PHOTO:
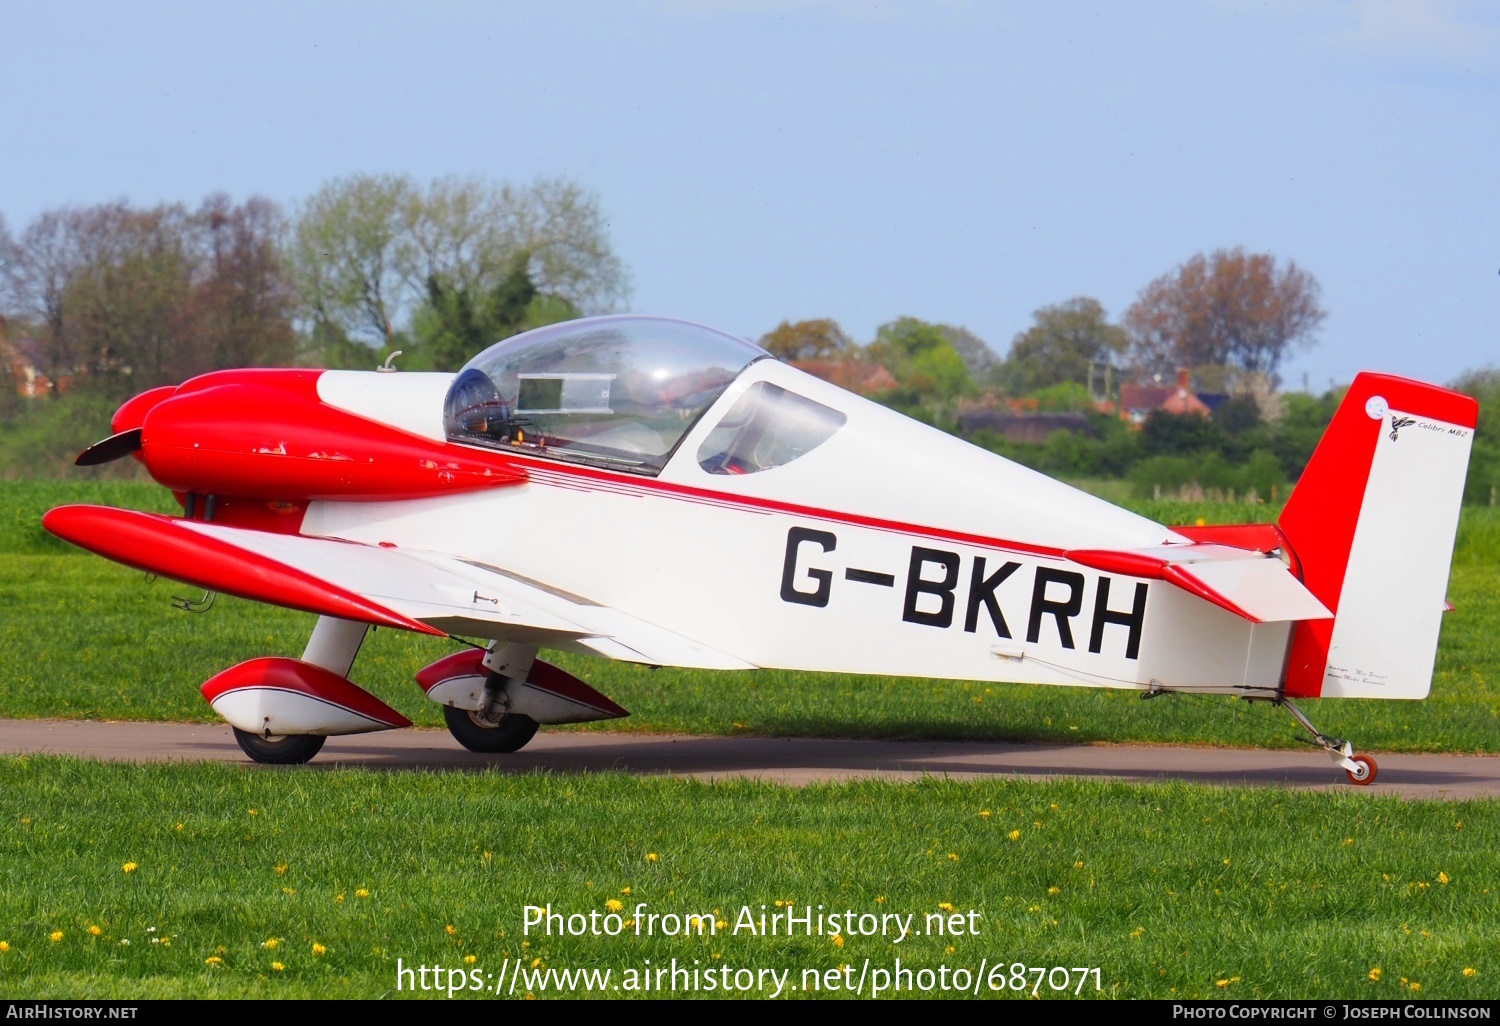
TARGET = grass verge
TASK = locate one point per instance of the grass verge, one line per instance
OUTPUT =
(1169, 889)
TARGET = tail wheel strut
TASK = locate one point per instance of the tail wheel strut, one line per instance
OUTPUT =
(1360, 768)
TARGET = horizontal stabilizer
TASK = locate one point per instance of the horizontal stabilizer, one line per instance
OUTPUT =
(1259, 588)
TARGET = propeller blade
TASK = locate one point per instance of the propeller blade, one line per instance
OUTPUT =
(112, 448)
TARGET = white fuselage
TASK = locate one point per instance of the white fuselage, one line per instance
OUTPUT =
(892, 548)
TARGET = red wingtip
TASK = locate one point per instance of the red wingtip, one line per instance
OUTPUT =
(156, 544)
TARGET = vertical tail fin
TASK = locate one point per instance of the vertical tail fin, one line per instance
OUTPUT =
(1372, 522)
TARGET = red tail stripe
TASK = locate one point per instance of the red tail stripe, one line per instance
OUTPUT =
(1323, 511)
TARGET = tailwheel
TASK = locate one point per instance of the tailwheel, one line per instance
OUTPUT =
(478, 733)
(286, 750)
(1364, 771)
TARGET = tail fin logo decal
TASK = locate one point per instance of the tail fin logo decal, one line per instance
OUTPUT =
(1397, 423)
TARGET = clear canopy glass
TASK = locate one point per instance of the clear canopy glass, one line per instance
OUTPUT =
(612, 391)
(767, 427)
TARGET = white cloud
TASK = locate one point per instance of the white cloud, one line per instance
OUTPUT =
(1435, 27)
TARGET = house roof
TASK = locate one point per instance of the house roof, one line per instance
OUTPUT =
(1171, 398)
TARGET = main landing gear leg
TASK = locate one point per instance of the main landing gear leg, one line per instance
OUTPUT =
(1360, 768)
(495, 728)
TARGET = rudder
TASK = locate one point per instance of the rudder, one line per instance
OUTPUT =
(1372, 521)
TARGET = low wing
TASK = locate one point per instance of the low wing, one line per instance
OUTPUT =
(1260, 588)
(390, 587)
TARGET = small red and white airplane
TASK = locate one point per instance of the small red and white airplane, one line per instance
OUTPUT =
(662, 493)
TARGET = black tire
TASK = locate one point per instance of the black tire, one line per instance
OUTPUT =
(291, 750)
(509, 735)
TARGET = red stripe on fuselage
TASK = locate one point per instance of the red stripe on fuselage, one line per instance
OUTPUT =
(539, 470)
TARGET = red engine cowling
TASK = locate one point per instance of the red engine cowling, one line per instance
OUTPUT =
(252, 438)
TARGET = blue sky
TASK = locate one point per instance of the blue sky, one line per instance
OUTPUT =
(770, 159)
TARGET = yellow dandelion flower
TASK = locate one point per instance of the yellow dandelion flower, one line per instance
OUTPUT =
(1015, 835)
(624, 890)
(614, 905)
(270, 943)
(276, 967)
(289, 890)
(1375, 974)
(1415, 985)
(1054, 890)
(650, 856)
(213, 960)
(535, 962)
(1470, 971)
(1226, 862)
(1137, 931)
(318, 949)
(470, 960)
(94, 931)
(950, 949)
(128, 867)
(952, 857)
(1054, 806)
(984, 813)
(1221, 983)
(177, 827)
(280, 868)
(1078, 864)
(838, 940)
(946, 906)
(361, 893)
(1442, 878)
(252, 812)
(4, 947)
(880, 900)
(338, 897)
(719, 924)
(449, 930)
(55, 936)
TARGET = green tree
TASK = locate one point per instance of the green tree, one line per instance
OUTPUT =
(979, 359)
(455, 322)
(818, 339)
(352, 254)
(374, 255)
(1061, 345)
(927, 369)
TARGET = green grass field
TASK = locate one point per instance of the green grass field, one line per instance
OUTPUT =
(1168, 889)
(82, 637)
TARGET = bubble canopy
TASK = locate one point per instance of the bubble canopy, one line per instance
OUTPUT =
(610, 391)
